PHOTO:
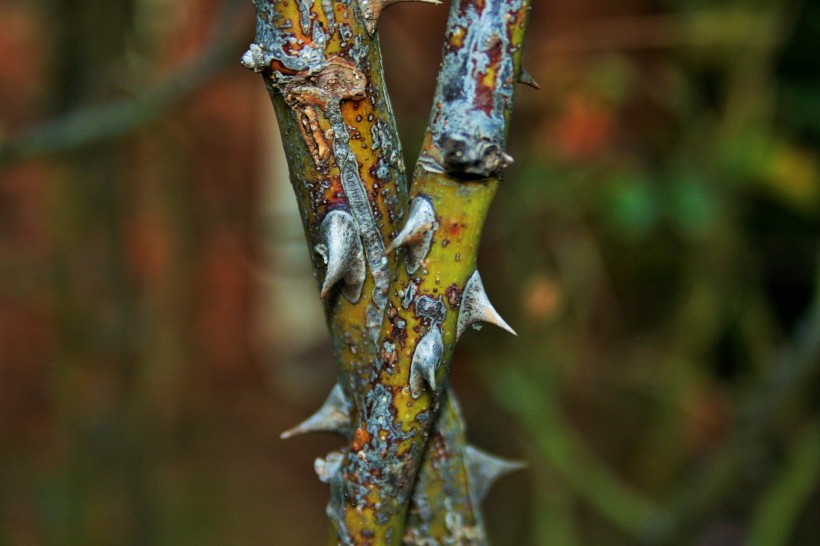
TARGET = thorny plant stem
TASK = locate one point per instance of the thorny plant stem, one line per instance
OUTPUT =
(320, 190)
(438, 292)
(323, 73)
(322, 68)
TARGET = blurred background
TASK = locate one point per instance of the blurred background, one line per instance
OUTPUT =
(655, 244)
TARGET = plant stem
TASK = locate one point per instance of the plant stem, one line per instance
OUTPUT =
(344, 155)
(456, 177)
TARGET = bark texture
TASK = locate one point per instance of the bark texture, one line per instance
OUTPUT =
(396, 300)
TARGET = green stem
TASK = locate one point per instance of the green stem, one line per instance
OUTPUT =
(781, 504)
(456, 179)
(344, 157)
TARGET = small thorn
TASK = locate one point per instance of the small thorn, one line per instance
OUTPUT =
(328, 467)
(484, 469)
(333, 416)
(417, 233)
(506, 159)
(341, 249)
(426, 360)
(476, 308)
(526, 78)
(372, 9)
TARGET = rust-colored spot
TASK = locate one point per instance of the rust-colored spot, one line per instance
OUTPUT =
(312, 134)
(486, 90)
(360, 438)
(389, 357)
(453, 295)
(277, 65)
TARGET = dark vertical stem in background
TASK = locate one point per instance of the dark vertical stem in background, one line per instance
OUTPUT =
(94, 297)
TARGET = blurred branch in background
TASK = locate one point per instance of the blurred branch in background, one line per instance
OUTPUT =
(92, 124)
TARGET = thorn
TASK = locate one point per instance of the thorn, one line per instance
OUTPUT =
(333, 416)
(505, 159)
(341, 249)
(526, 78)
(476, 308)
(372, 9)
(426, 360)
(326, 468)
(484, 469)
(417, 233)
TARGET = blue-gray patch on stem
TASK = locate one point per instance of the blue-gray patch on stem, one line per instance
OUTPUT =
(272, 43)
(377, 461)
(359, 205)
(468, 124)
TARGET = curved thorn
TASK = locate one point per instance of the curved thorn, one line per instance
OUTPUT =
(506, 159)
(526, 78)
(484, 469)
(333, 416)
(341, 249)
(426, 360)
(372, 9)
(327, 467)
(417, 233)
(476, 308)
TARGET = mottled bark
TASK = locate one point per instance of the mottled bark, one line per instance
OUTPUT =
(393, 328)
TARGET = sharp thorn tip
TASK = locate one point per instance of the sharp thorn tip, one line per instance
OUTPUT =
(333, 416)
(484, 469)
(527, 79)
(476, 308)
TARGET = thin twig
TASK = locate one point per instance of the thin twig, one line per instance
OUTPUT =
(99, 123)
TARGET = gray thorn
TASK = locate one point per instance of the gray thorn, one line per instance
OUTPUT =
(372, 9)
(484, 469)
(328, 467)
(476, 308)
(426, 360)
(333, 416)
(341, 249)
(417, 233)
(526, 78)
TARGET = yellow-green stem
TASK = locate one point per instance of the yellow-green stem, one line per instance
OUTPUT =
(456, 177)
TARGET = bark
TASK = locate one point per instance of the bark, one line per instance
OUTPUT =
(394, 325)
(438, 291)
